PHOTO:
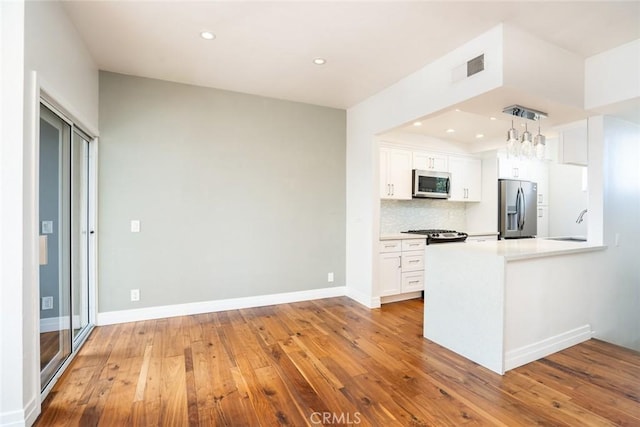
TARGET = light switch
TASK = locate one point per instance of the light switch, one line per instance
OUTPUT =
(47, 227)
(135, 226)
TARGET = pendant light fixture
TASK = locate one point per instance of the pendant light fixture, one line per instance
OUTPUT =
(513, 146)
(526, 147)
(539, 144)
(526, 144)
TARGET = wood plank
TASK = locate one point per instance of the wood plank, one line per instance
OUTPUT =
(278, 365)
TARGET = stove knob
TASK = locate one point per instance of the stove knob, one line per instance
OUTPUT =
(436, 235)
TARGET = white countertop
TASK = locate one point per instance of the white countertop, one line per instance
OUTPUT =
(515, 249)
(404, 236)
(401, 236)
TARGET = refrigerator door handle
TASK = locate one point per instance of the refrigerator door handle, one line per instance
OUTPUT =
(524, 209)
(519, 209)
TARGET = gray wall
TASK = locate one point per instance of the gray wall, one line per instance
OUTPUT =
(237, 195)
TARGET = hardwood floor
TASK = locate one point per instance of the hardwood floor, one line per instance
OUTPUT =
(328, 362)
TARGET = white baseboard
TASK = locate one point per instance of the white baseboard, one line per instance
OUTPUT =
(400, 297)
(523, 355)
(160, 312)
(364, 299)
(32, 411)
(23, 417)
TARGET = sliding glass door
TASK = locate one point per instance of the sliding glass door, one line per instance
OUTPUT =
(79, 234)
(64, 240)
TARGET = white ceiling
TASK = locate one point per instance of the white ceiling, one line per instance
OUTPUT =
(266, 48)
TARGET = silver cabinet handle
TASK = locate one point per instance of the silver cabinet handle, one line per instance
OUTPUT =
(414, 281)
(388, 189)
(393, 189)
(413, 260)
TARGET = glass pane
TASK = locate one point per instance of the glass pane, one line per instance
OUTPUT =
(79, 233)
(54, 221)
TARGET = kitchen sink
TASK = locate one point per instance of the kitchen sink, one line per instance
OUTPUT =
(568, 239)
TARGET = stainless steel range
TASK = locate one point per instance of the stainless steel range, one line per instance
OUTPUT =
(441, 236)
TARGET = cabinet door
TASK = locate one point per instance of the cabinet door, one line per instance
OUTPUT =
(573, 147)
(474, 180)
(511, 168)
(440, 163)
(543, 221)
(430, 161)
(385, 187)
(539, 173)
(399, 175)
(390, 273)
(466, 179)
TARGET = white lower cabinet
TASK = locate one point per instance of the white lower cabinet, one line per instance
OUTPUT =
(390, 273)
(401, 265)
(413, 281)
(543, 221)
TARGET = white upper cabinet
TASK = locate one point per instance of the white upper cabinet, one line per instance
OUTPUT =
(430, 161)
(573, 144)
(513, 168)
(466, 179)
(395, 174)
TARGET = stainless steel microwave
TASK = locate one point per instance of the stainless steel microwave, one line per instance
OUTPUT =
(435, 185)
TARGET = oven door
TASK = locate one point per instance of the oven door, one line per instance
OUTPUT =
(435, 185)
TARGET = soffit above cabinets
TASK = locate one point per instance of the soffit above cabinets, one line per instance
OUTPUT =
(473, 117)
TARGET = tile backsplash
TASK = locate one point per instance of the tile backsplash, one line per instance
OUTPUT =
(415, 214)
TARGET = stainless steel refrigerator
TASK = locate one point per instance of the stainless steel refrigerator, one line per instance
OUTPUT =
(517, 209)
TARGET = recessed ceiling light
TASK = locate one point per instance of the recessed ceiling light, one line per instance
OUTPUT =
(319, 61)
(207, 35)
(450, 130)
(479, 135)
(457, 109)
(492, 118)
(417, 123)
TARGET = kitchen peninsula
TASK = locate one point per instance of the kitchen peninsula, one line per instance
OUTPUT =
(506, 303)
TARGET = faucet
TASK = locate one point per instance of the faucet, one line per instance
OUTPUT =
(580, 217)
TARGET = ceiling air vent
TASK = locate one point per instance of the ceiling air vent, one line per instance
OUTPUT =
(475, 65)
(471, 67)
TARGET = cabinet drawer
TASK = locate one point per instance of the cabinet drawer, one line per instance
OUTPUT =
(414, 244)
(412, 261)
(390, 246)
(413, 281)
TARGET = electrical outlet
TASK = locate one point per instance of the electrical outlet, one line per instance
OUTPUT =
(330, 277)
(135, 225)
(135, 294)
(47, 303)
